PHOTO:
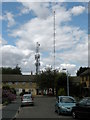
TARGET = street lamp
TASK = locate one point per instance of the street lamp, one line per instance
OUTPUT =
(67, 82)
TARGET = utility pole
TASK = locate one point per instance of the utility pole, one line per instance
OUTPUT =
(54, 38)
(37, 58)
(67, 81)
(67, 84)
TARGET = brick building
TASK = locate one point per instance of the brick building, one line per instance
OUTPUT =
(20, 82)
(85, 82)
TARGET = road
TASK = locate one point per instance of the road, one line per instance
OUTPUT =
(43, 108)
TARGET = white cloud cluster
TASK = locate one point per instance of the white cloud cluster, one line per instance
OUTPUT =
(70, 68)
(71, 42)
(2, 41)
(39, 9)
(52, 0)
(9, 17)
(77, 10)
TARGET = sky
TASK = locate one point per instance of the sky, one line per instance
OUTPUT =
(26, 23)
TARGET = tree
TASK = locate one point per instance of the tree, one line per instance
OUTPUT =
(17, 70)
(61, 91)
(9, 70)
(61, 82)
(52, 79)
(81, 70)
(45, 79)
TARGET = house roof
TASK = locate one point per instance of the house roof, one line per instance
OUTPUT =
(86, 72)
(18, 78)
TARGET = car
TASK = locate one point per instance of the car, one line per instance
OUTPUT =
(82, 109)
(27, 99)
(64, 104)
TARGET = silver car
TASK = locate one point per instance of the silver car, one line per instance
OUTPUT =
(27, 99)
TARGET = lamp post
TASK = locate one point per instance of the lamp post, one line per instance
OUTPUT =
(67, 82)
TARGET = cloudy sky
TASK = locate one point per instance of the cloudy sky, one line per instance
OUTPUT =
(26, 23)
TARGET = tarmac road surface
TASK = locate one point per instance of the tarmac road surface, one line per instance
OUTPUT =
(43, 108)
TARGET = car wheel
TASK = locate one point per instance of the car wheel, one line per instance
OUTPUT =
(58, 111)
(74, 115)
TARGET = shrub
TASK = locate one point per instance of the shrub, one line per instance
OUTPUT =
(7, 95)
(61, 91)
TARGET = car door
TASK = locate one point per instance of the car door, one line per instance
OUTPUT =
(82, 108)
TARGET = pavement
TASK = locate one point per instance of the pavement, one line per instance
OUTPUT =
(9, 111)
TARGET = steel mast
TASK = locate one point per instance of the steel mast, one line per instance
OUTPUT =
(54, 35)
(37, 58)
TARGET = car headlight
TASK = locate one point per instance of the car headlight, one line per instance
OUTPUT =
(62, 107)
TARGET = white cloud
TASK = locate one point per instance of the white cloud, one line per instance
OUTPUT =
(77, 10)
(11, 56)
(2, 41)
(71, 42)
(10, 18)
(70, 68)
(44, 0)
(53, 0)
(1, 18)
(39, 9)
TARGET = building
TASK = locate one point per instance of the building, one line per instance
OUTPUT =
(20, 82)
(85, 82)
(28, 82)
(75, 80)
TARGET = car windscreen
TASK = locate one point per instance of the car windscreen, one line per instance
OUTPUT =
(26, 97)
(85, 101)
(67, 100)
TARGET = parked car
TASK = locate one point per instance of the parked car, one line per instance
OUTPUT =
(64, 104)
(82, 109)
(27, 99)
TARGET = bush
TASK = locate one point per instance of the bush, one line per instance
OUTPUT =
(61, 91)
(7, 95)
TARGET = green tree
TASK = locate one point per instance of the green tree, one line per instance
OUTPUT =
(61, 82)
(9, 70)
(81, 70)
(61, 91)
(52, 79)
(45, 79)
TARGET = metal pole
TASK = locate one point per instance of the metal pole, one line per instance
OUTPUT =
(54, 39)
(67, 81)
(67, 84)
(54, 35)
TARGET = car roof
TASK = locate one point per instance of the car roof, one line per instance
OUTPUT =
(86, 98)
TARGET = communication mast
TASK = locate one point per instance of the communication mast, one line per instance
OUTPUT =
(54, 35)
(37, 58)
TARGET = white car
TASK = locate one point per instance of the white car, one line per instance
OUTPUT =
(27, 99)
